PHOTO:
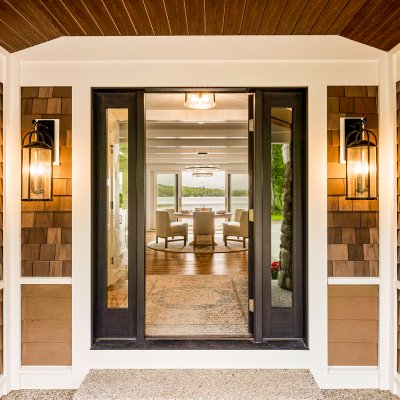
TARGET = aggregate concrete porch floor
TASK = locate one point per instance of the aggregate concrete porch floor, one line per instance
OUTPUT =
(361, 394)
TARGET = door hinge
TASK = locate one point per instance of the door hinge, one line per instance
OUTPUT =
(251, 215)
(251, 125)
(251, 305)
(111, 205)
(112, 260)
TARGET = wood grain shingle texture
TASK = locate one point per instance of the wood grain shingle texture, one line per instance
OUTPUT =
(353, 325)
(47, 226)
(46, 325)
(353, 231)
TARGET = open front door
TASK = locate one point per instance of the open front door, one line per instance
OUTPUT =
(279, 228)
(251, 105)
(118, 224)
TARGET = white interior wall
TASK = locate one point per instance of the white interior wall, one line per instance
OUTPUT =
(83, 63)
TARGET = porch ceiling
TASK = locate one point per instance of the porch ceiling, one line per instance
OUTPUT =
(26, 23)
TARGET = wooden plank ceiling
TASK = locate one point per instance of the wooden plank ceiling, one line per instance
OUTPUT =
(25, 23)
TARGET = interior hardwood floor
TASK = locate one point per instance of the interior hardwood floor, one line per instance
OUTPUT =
(165, 263)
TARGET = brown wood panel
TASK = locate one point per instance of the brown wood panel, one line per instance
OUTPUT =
(375, 12)
(101, 17)
(38, 15)
(353, 325)
(82, 17)
(272, 14)
(234, 11)
(330, 13)
(385, 37)
(12, 17)
(195, 15)
(157, 12)
(29, 22)
(352, 7)
(352, 354)
(215, 14)
(252, 17)
(46, 354)
(46, 331)
(309, 16)
(176, 11)
(119, 15)
(65, 19)
(293, 11)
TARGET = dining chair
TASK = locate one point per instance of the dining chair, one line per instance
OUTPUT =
(238, 229)
(166, 229)
(203, 224)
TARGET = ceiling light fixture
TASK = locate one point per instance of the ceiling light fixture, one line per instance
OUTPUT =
(200, 100)
(202, 170)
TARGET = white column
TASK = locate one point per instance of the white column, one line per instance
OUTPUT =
(81, 228)
(387, 219)
(317, 231)
(12, 223)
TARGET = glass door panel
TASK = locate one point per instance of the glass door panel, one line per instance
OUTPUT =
(281, 207)
(117, 200)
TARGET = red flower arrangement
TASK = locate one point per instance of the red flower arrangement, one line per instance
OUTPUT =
(275, 268)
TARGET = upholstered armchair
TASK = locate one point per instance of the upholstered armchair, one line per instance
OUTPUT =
(166, 229)
(171, 212)
(203, 224)
(238, 229)
(237, 214)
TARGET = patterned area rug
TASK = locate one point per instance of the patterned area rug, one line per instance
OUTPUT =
(204, 243)
(179, 305)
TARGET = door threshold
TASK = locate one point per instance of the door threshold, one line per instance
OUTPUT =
(187, 344)
(203, 337)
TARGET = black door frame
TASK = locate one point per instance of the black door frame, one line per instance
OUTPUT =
(135, 336)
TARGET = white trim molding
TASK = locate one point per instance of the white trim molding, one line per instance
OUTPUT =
(354, 281)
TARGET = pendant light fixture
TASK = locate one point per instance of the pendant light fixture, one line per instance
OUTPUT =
(37, 165)
(361, 154)
(200, 100)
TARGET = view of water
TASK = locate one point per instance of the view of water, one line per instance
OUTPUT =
(190, 203)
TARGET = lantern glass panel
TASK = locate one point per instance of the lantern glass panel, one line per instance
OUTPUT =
(361, 172)
(36, 173)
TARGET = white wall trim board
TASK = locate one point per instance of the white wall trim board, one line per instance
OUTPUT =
(353, 281)
(396, 383)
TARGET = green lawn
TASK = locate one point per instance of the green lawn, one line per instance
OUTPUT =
(277, 217)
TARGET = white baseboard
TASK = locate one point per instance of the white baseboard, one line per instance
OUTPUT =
(49, 378)
(349, 378)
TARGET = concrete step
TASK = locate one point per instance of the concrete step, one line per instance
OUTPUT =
(212, 384)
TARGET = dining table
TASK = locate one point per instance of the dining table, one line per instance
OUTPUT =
(226, 215)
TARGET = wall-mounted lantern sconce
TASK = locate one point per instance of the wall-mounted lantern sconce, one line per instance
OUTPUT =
(37, 165)
(361, 154)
